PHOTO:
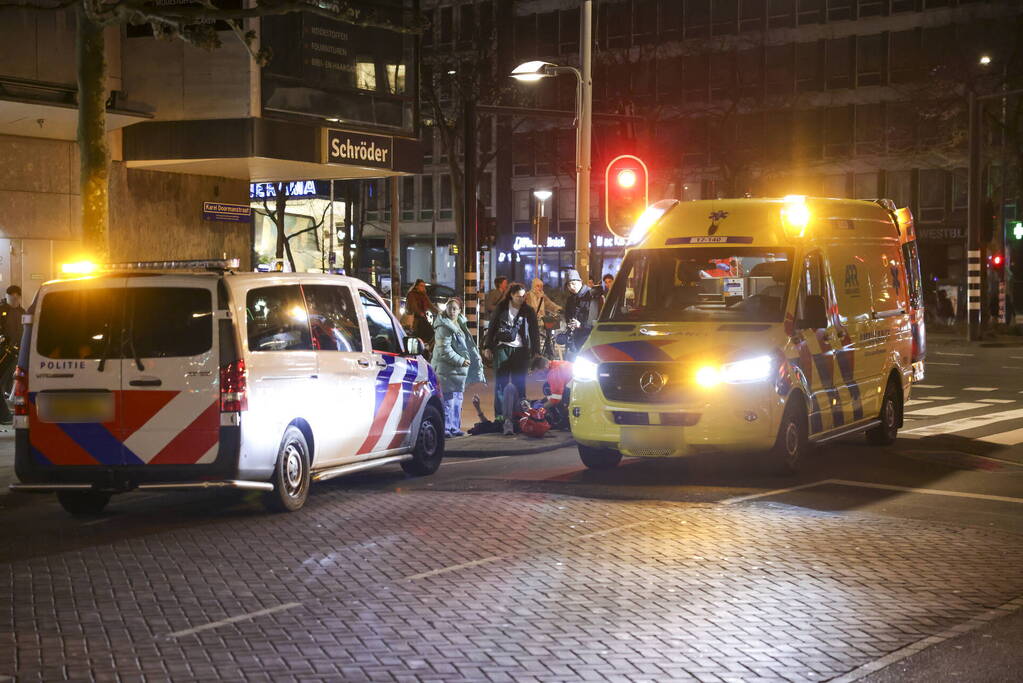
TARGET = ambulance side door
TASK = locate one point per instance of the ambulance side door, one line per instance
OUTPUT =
(818, 345)
(855, 326)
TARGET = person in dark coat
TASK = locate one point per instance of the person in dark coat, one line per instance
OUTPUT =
(581, 310)
(418, 303)
(11, 328)
(512, 341)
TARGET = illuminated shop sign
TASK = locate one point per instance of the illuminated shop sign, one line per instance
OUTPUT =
(553, 242)
(298, 188)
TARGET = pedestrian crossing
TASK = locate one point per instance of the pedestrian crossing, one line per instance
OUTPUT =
(991, 420)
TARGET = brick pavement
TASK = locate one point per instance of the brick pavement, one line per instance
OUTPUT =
(550, 588)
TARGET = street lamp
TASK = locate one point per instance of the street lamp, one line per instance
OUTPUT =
(534, 71)
(985, 60)
(540, 234)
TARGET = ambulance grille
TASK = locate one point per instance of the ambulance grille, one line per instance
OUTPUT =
(625, 382)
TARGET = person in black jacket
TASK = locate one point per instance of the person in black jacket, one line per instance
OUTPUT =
(512, 341)
(581, 310)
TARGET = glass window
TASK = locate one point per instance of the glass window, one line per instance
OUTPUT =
(899, 187)
(811, 283)
(838, 131)
(569, 31)
(445, 192)
(751, 15)
(169, 322)
(869, 59)
(810, 11)
(778, 67)
(869, 128)
(865, 186)
(671, 19)
(808, 66)
(381, 328)
(426, 196)
(697, 18)
(840, 9)
(779, 13)
(850, 276)
(701, 284)
(276, 319)
(466, 24)
(839, 59)
(547, 34)
(332, 318)
(446, 25)
(83, 323)
(408, 193)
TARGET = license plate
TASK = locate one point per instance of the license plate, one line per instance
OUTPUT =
(652, 441)
(75, 407)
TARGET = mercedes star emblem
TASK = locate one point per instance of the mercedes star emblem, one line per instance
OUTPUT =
(652, 382)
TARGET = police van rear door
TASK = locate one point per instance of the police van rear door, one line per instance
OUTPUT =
(170, 370)
(74, 373)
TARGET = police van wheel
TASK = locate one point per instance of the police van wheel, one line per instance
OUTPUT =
(891, 411)
(83, 502)
(429, 449)
(599, 458)
(791, 445)
(291, 474)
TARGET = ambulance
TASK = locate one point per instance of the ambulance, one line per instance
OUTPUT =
(752, 325)
(192, 375)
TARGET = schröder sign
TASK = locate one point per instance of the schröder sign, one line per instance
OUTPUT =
(359, 149)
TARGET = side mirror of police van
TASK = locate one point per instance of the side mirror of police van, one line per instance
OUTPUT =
(413, 346)
(815, 314)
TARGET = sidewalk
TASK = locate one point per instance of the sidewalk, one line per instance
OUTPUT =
(956, 336)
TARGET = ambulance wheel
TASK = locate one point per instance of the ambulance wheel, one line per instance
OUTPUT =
(891, 411)
(429, 450)
(83, 502)
(599, 458)
(291, 474)
(792, 443)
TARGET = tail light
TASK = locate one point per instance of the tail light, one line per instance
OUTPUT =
(233, 388)
(20, 392)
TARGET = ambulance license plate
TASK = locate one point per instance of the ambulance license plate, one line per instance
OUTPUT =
(75, 406)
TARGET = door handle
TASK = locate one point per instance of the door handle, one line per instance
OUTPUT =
(381, 364)
(148, 382)
(363, 363)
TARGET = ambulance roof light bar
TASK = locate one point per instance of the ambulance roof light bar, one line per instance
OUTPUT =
(89, 268)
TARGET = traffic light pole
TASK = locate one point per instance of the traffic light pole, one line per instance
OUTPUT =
(584, 134)
(973, 262)
(469, 255)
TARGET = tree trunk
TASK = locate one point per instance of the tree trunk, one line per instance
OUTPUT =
(280, 212)
(92, 142)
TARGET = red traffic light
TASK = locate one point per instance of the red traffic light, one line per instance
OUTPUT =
(625, 193)
(996, 260)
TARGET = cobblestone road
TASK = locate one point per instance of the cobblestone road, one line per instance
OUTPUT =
(506, 586)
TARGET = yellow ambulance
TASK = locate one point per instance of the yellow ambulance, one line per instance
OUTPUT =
(762, 325)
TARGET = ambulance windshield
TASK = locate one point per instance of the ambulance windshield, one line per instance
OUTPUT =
(701, 284)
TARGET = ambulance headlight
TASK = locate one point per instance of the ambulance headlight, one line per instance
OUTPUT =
(584, 370)
(748, 370)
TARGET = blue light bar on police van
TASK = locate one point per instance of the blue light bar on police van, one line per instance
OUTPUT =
(193, 264)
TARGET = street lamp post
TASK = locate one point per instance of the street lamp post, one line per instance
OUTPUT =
(540, 234)
(534, 71)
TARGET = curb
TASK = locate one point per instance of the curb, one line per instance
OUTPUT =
(493, 445)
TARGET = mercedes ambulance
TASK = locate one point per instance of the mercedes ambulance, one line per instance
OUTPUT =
(143, 378)
(762, 325)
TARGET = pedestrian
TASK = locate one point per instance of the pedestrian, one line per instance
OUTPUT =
(945, 313)
(512, 341)
(581, 310)
(608, 280)
(493, 297)
(539, 301)
(11, 328)
(418, 303)
(456, 361)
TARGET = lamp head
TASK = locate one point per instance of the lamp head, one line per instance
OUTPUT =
(532, 71)
(542, 195)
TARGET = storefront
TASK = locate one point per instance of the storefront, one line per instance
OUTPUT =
(517, 257)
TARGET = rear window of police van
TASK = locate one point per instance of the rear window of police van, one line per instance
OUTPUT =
(142, 322)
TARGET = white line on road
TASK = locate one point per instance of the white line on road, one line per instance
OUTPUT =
(997, 400)
(752, 496)
(97, 521)
(934, 362)
(924, 643)
(462, 462)
(232, 620)
(1010, 438)
(949, 353)
(965, 423)
(946, 409)
(937, 398)
(927, 386)
(494, 558)
(917, 401)
(981, 389)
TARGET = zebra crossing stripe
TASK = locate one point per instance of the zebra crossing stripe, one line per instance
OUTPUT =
(965, 424)
(997, 400)
(981, 389)
(946, 409)
(929, 386)
(1010, 438)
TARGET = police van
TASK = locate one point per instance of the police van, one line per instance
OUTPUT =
(148, 377)
(762, 325)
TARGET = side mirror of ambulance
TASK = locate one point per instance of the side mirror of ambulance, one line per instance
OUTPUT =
(413, 346)
(815, 314)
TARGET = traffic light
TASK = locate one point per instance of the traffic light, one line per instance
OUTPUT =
(625, 193)
(1017, 230)
(996, 260)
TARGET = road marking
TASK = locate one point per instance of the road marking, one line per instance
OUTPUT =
(927, 386)
(1010, 438)
(97, 521)
(934, 362)
(1013, 367)
(872, 485)
(949, 353)
(924, 643)
(981, 389)
(484, 459)
(946, 409)
(938, 398)
(232, 620)
(502, 556)
(997, 400)
(753, 496)
(917, 401)
(965, 423)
